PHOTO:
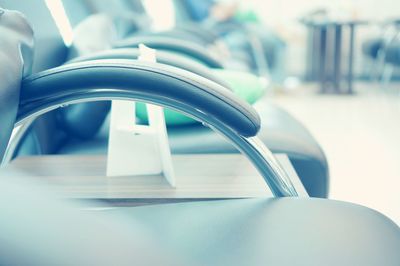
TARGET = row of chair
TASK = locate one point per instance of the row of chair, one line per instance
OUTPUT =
(384, 51)
(78, 129)
(42, 79)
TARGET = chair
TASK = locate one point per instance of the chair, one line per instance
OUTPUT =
(280, 131)
(382, 51)
(39, 229)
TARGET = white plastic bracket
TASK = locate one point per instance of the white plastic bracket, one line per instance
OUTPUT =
(139, 149)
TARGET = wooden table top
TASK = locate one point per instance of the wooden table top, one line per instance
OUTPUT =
(205, 176)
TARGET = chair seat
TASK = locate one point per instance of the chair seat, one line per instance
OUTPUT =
(279, 131)
(286, 231)
(371, 47)
(392, 55)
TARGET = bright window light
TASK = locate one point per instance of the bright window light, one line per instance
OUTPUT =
(162, 13)
(60, 17)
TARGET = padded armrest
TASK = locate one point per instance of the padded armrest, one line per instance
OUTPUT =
(152, 82)
(175, 34)
(163, 57)
(206, 34)
(175, 45)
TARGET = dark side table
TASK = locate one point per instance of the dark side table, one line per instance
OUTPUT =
(326, 62)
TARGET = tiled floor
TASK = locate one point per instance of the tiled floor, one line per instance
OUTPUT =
(360, 135)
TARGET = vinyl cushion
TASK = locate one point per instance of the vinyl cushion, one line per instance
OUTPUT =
(392, 55)
(285, 231)
(16, 51)
(244, 85)
(371, 47)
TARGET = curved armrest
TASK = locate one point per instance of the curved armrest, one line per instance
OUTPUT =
(175, 34)
(163, 57)
(206, 34)
(174, 45)
(156, 83)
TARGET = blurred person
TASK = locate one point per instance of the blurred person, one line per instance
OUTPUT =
(234, 22)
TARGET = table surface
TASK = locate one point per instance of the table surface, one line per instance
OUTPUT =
(202, 176)
(328, 22)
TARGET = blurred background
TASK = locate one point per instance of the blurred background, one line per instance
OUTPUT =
(283, 17)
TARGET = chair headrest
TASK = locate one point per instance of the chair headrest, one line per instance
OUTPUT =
(16, 56)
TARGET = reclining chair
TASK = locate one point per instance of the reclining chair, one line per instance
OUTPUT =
(37, 229)
(249, 56)
(280, 131)
(382, 49)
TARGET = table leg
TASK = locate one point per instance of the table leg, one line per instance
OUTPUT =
(309, 75)
(337, 56)
(315, 53)
(322, 59)
(351, 59)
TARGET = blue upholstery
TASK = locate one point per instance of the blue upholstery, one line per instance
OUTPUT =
(280, 131)
(162, 83)
(371, 47)
(50, 50)
(172, 59)
(281, 232)
(392, 53)
(16, 55)
(41, 229)
(174, 45)
(285, 231)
